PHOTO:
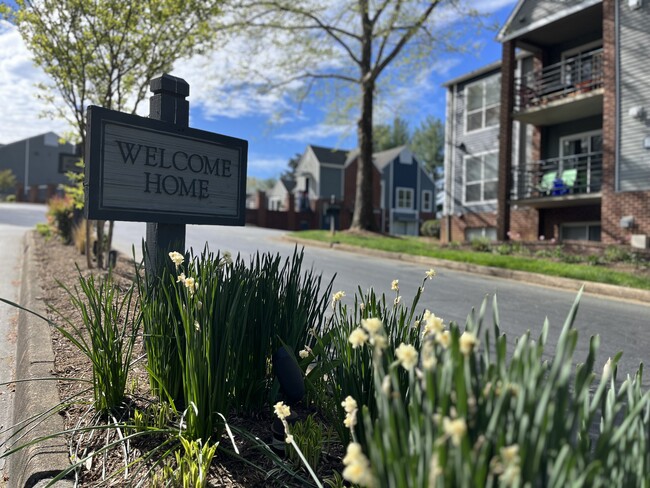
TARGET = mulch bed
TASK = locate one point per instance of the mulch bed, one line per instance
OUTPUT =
(57, 264)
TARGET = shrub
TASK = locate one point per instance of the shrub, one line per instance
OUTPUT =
(430, 228)
(615, 254)
(473, 414)
(10, 198)
(44, 230)
(60, 214)
(481, 244)
(505, 249)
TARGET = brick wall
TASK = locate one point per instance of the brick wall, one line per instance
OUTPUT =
(524, 224)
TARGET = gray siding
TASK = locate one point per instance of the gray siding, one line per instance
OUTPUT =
(475, 142)
(331, 182)
(634, 43)
(38, 157)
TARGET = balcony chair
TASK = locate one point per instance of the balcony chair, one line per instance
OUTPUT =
(546, 185)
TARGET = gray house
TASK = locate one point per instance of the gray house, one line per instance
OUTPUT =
(39, 162)
(319, 176)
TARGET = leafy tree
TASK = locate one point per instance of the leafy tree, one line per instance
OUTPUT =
(106, 52)
(389, 136)
(428, 144)
(7, 180)
(354, 44)
(290, 172)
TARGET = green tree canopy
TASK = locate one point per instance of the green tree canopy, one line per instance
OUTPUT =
(389, 136)
(428, 144)
(106, 52)
(7, 180)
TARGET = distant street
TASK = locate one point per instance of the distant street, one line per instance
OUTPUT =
(451, 295)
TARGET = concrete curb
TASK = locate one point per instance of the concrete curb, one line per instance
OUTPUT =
(602, 289)
(37, 464)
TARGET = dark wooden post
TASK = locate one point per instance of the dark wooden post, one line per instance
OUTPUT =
(505, 140)
(167, 104)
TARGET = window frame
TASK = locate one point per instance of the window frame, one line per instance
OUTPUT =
(484, 107)
(428, 208)
(481, 181)
(587, 226)
(410, 192)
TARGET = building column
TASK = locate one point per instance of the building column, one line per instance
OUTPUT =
(261, 208)
(608, 212)
(505, 139)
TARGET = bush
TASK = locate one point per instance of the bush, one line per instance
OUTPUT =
(10, 198)
(481, 244)
(430, 228)
(614, 254)
(60, 214)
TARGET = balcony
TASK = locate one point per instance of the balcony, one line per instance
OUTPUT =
(560, 182)
(570, 89)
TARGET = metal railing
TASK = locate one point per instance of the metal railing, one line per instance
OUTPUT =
(578, 74)
(570, 175)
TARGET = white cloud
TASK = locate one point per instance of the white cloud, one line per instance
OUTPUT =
(18, 77)
(266, 167)
(316, 132)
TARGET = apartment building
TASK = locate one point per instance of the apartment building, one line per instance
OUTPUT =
(553, 141)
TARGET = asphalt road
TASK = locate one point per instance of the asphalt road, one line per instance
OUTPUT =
(621, 325)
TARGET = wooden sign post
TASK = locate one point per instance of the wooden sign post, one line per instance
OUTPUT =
(160, 171)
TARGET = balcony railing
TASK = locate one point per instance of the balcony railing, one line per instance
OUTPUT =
(578, 174)
(578, 74)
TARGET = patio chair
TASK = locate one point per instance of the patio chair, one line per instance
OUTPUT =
(546, 185)
(569, 177)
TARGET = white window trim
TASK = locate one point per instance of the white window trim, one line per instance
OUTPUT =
(397, 202)
(483, 108)
(428, 208)
(598, 132)
(405, 157)
(482, 201)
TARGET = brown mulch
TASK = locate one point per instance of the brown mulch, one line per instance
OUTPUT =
(57, 266)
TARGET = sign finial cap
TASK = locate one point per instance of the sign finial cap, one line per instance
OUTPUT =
(170, 84)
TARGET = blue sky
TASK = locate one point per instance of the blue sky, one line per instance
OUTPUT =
(247, 114)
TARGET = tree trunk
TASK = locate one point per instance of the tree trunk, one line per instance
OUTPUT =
(363, 217)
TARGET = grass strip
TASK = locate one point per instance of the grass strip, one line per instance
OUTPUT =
(419, 247)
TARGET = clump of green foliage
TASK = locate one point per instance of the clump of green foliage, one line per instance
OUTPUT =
(60, 214)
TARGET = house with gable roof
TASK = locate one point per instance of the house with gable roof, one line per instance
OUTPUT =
(403, 193)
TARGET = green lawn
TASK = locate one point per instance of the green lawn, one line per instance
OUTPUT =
(422, 247)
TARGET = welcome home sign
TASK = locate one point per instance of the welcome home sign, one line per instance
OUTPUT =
(147, 170)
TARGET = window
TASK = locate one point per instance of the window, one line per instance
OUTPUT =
(589, 231)
(427, 201)
(473, 233)
(481, 175)
(404, 198)
(482, 99)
